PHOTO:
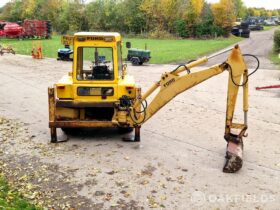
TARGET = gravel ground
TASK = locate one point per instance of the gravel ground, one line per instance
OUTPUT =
(178, 163)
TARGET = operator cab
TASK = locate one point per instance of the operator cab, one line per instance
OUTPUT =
(96, 63)
(98, 74)
(98, 57)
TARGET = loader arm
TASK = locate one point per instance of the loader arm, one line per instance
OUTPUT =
(172, 84)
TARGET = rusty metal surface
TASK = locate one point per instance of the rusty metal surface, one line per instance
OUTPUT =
(53, 135)
(83, 124)
(51, 99)
(73, 104)
(66, 113)
(51, 104)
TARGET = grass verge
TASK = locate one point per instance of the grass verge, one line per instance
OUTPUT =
(274, 57)
(266, 28)
(11, 199)
(162, 51)
(168, 51)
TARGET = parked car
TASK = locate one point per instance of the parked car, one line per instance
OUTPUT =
(256, 27)
(241, 30)
(269, 23)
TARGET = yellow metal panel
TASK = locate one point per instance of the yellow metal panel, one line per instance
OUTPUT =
(191, 65)
(236, 71)
(66, 113)
(122, 116)
(237, 126)
(64, 91)
(116, 36)
(124, 83)
(95, 98)
(64, 87)
(171, 85)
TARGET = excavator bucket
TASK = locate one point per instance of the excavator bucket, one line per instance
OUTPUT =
(234, 155)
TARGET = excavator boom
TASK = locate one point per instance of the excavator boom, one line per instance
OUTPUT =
(173, 83)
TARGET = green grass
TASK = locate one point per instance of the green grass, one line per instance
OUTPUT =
(274, 57)
(24, 47)
(11, 200)
(266, 28)
(168, 51)
(162, 51)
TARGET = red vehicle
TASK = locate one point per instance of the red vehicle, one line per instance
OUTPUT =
(2, 33)
(13, 30)
(28, 29)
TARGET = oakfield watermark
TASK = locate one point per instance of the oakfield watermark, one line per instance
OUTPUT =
(199, 198)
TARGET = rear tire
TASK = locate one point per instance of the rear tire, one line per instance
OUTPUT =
(135, 61)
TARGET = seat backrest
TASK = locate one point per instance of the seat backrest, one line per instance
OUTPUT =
(101, 72)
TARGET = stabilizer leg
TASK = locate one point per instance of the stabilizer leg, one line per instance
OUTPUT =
(136, 137)
(52, 114)
(137, 134)
(53, 135)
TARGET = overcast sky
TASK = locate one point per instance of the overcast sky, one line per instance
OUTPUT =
(3, 2)
(268, 4)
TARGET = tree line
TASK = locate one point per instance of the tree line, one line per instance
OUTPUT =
(153, 18)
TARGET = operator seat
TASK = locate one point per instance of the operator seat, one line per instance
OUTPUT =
(102, 73)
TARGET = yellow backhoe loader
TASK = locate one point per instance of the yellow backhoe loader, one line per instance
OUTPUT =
(99, 92)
